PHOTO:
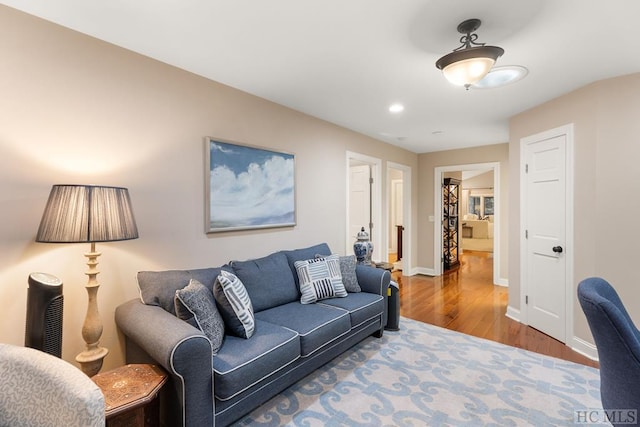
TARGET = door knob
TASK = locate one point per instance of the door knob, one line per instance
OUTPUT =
(557, 249)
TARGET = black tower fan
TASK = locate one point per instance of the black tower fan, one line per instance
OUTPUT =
(44, 314)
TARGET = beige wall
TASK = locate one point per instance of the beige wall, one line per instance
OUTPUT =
(77, 110)
(427, 163)
(607, 180)
(479, 184)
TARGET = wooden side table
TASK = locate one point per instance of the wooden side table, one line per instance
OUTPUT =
(384, 265)
(131, 395)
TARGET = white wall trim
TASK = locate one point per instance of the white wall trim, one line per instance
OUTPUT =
(585, 348)
(513, 313)
(502, 282)
(424, 270)
(497, 205)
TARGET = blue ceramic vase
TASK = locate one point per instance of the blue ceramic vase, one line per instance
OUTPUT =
(363, 248)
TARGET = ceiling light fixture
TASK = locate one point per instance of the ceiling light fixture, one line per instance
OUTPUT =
(502, 76)
(470, 62)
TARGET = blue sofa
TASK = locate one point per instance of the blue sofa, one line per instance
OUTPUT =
(290, 341)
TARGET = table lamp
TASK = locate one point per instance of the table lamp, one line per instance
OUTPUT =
(88, 213)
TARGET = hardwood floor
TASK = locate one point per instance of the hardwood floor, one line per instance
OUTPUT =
(465, 300)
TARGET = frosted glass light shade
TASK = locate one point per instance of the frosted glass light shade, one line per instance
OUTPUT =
(502, 76)
(468, 71)
(468, 66)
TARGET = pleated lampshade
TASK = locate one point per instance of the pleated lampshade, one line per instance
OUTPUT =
(87, 213)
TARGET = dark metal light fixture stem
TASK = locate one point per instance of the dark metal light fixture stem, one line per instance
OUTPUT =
(467, 27)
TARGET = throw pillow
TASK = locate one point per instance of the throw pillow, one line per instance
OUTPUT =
(235, 305)
(348, 272)
(320, 279)
(195, 305)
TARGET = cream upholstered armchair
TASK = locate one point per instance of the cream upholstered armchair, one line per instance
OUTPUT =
(38, 389)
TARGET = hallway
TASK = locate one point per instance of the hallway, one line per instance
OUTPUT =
(465, 300)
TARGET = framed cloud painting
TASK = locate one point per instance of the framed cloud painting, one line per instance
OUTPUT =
(248, 187)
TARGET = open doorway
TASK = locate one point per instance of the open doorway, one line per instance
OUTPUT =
(399, 216)
(363, 203)
(438, 232)
(477, 210)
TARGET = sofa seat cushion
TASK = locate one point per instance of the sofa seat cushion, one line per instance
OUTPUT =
(362, 306)
(241, 363)
(318, 325)
(268, 280)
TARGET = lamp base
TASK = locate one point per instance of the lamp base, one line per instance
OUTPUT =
(91, 360)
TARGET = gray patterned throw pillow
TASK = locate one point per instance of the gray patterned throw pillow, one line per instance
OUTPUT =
(195, 305)
(348, 272)
(235, 305)
(320, 278)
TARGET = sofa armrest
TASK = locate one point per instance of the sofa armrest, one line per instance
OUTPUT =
(183, 351)
(375, 281)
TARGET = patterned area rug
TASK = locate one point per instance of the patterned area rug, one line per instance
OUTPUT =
(424, 375)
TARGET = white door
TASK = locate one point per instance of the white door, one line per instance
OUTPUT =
(359, 200)
(545, 234)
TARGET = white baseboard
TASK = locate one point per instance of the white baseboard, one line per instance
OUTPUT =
(423, 270)
(502, 282)
(576, 344)
(584, 348)
(513, 313)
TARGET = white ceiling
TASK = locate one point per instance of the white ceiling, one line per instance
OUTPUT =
(346, 61)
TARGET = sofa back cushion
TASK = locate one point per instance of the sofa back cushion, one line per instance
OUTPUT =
(304, 254)
(159, 287)
(269, 281)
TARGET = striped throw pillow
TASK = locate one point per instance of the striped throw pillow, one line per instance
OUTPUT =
(320, 279)
(235, 305)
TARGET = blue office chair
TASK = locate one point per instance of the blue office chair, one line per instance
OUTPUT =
(618, 342)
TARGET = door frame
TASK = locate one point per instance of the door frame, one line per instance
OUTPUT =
(406, 216)
(568, 133)
(379, 250)
(497, 217)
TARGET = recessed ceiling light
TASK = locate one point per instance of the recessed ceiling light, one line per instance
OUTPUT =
(396, 108)
(501, 76)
